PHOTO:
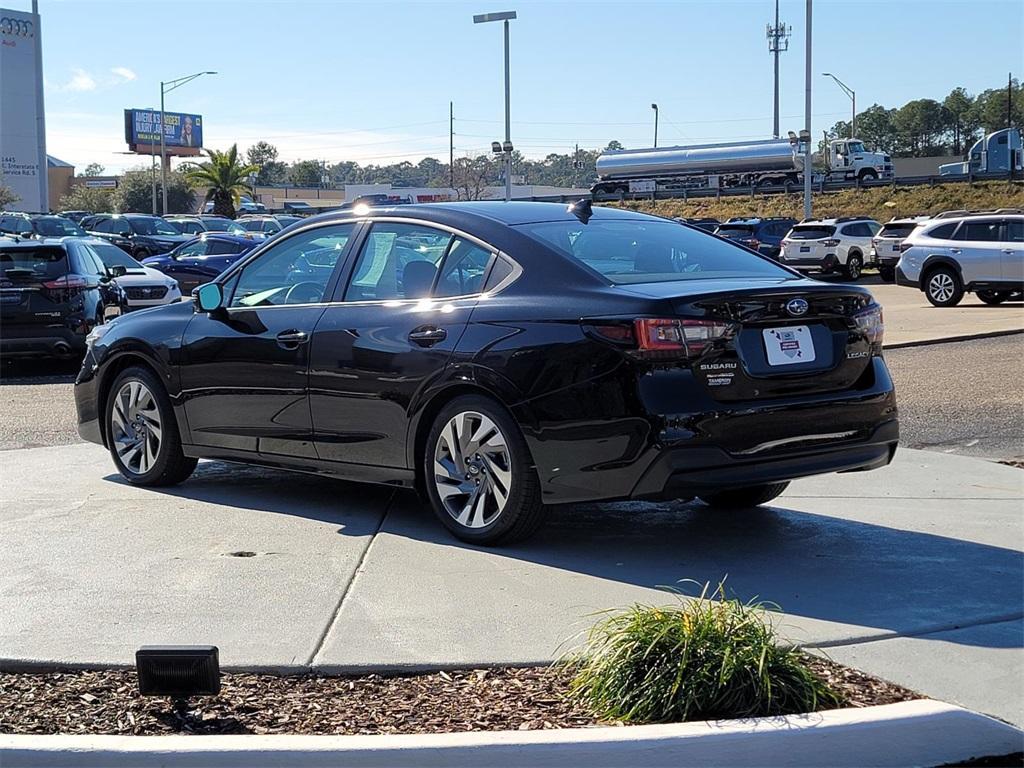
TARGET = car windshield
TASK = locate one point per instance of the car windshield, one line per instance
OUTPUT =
(897, 230)
(649, 251)
(856, 147)
(56, 226)
(810, 233)
(151, 225)
(735, 230)
(20, 264)
(112, 256)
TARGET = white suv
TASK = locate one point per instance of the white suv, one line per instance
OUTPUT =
(960, 252)
(830, 245)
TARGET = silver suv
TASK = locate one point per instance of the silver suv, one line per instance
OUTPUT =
(830, 245)
(960, 252)
(885, 248)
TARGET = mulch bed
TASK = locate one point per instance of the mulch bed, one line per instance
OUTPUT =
(107, 702)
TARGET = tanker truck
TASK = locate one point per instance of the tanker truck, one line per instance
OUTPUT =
(774, 162)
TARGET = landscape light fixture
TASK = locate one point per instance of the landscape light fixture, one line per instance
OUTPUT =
(167, 87)
(505, 17)
(178, 671)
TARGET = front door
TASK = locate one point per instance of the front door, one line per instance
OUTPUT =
(977, 250)
(406, 305)
(244, 369)
(1013, 251)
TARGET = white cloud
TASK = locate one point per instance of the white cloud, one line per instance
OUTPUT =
(80, 81)
(124, 73)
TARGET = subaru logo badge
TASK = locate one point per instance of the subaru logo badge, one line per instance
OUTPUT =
(797, 307)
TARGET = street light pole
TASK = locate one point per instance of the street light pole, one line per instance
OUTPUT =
(655, 108)
(853, 98)
(504, 16)
(808, 169)
(167, 87)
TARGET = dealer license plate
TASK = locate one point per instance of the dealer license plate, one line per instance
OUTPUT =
(789, 346)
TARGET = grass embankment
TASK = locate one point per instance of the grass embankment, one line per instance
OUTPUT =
(880, 203)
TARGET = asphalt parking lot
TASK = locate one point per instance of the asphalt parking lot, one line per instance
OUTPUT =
(963, 397)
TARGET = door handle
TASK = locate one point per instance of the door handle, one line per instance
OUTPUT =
(1007, 250)
(291, 339)
(955, 250)
(428, 336)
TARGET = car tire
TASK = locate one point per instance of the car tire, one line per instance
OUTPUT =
(142, 433)
(943, 287)
(992, 298)
(888, 274)
(741, 498)
(868, 175)
(484, 491)
(140, 254)
(852, 268)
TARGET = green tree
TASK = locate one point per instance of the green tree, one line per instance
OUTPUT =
(613, 144)
(991, 107)
(304, 173)
(264, 156)
(7, 196)
(920, 124)
(93, 169)
(82, 198)
(225, 178)
(134, 193)
(471, 176)
(958, 106)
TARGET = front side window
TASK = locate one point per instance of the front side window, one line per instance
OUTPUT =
(293, 271)
(979, 231)
(222, 247)
(397, 261)
(191, 250)
(647, 251)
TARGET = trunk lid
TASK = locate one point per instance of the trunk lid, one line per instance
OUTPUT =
(33, 285)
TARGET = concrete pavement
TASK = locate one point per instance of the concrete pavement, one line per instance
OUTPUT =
(914, 572)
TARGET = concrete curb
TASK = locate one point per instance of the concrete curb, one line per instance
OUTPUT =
(951, 339)
(920, 732)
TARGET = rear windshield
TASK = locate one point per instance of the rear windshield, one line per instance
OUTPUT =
(896, 230)
(32, 263)
(55, 226)
(810, 233)
(642, 251)
(735, 230)
(152, 226)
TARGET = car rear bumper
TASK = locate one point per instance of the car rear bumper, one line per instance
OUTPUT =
(825, 263)
(684, 472)
(42, 342)
(902, 279)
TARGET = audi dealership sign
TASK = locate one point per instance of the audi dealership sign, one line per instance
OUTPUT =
(22, 126)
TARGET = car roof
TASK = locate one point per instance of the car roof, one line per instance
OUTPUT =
(225, 237)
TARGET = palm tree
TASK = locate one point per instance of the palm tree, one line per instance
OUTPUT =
(224, 177)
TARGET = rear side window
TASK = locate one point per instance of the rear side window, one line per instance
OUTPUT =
(398, 261)
(811, 232)
(646, 251)
(942, 232)
(21, 264)
(979, 231)
(463, 270)
(1015, 231)
(220, 247)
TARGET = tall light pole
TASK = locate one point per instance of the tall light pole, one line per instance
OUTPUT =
(853, 97)
(778, 41)
(808, 169)
(504, 16)
(655, 108)
(167, 87)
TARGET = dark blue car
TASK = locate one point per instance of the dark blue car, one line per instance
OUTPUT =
(201, 259)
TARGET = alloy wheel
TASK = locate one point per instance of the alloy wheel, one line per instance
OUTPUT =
(941, 287)
(853, 267)
(472, 469)
(135, 427)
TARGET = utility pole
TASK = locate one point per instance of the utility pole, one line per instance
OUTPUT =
(778, 41)
(1009, 101)
(576, 166)
(451, 144)
(655, 108)
(808, 165)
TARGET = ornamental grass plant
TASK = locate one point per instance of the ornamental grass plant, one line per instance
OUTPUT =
(700, 659)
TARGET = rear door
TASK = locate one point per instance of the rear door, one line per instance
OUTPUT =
(1013, 251)
(407, 302)
(978, 251)
(187, 265)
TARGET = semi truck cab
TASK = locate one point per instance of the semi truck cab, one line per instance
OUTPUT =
(850, 159)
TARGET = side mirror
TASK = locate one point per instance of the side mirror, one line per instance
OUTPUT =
(118, 270)
(208, 297)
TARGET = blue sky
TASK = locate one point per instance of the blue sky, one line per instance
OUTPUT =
(371, 81)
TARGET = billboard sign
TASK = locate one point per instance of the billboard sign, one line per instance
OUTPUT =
(22, 127)
(181, 131)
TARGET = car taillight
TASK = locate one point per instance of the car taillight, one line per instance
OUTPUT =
(869, 322)
(905, 246)
(669, 338)
(831, 243)
(65, 288)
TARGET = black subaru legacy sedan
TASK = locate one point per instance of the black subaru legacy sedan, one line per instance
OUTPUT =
(501, 358)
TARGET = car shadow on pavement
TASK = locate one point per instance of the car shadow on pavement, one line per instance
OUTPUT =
(874, 578)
